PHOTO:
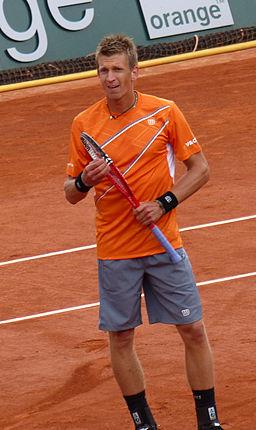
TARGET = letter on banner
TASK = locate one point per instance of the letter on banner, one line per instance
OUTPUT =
(65, 23)
(36, 27)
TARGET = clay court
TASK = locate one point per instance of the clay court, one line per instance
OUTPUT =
(55, 371)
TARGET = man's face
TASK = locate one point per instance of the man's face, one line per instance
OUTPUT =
(115, 75)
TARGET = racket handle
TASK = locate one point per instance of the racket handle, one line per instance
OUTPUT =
(174, 256)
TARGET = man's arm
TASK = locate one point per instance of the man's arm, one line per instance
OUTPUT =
(92, 174)
(194, 178)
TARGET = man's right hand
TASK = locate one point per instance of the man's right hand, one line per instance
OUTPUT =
(94, 172)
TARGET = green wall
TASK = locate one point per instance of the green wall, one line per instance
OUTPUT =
(110, 16)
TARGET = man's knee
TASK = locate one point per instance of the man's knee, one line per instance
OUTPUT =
(121, 340)
(193, 334)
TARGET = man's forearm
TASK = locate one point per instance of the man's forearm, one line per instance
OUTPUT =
(196, 176)
(189, 183)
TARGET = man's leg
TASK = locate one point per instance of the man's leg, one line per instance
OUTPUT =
(200, 373)
(125, 363)
(129, 376)
(198, 355)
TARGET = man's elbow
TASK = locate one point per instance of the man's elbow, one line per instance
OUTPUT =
(69, 192)
(205, 173)
(71, 200)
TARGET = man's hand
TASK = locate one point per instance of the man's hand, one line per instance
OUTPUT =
(148, 212)
(94, 172)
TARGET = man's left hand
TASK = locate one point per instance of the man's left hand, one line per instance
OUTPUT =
(148, 212)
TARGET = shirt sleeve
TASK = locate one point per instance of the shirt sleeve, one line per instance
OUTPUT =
(182, 138)
(77, 157)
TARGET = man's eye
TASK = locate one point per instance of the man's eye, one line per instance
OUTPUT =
(106, 71)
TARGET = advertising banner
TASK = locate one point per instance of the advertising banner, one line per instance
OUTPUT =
(40, 31)
(166, 18)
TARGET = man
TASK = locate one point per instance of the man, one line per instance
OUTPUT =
(142, 134)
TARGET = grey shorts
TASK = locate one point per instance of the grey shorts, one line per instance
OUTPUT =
(171, 294)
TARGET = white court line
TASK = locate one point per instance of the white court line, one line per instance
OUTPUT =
(83, 248)
(213, 224)
(93, 305)
(50, 254)
(46, 314)
(228, 278)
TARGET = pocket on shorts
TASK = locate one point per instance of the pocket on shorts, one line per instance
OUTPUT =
(104, 275)
(185, 266)
(182, 253)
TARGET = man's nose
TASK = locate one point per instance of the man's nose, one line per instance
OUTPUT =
(111, 76)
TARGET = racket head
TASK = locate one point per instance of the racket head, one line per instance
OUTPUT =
(93, 148)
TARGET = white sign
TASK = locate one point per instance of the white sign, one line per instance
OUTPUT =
(169, 17)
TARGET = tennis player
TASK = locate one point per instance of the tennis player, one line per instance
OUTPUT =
(143, 135)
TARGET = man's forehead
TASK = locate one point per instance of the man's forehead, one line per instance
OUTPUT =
(113, 60)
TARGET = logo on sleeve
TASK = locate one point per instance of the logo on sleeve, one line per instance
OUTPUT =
(191, 142)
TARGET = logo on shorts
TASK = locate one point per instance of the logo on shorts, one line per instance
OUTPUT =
(185, 312)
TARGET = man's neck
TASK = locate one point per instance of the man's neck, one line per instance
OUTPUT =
(123, 105)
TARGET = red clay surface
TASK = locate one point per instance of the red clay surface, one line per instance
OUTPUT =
(55, 371)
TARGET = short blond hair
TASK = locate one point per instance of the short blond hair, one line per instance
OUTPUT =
(117, 44)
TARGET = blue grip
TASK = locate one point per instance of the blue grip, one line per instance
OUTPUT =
(174, 256)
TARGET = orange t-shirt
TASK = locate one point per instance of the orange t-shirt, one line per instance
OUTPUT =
(143, 143)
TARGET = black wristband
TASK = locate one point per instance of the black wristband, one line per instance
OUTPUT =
(168, 201)
(80, 186)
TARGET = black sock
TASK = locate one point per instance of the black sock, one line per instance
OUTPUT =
(139, 410)
(205, 407)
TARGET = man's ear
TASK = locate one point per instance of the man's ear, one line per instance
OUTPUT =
(135, 73)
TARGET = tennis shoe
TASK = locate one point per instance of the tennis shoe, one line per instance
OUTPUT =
(146, 427)
(213, 426)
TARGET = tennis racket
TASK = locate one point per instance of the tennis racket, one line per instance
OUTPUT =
(118, 180)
